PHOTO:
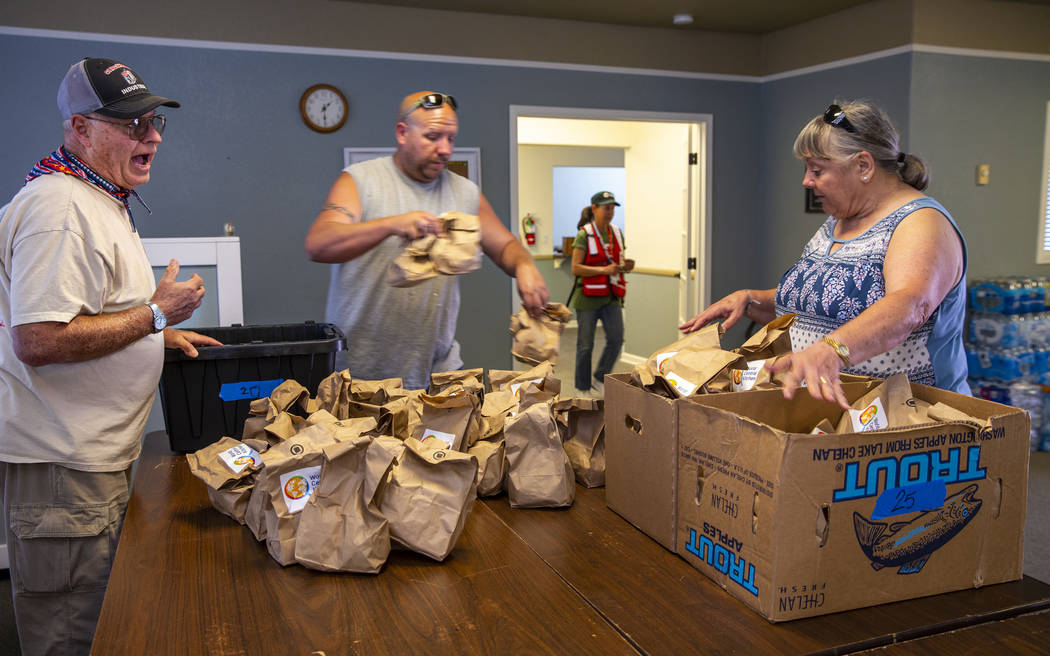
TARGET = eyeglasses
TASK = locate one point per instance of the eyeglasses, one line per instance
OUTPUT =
(431, 101)
(834, 116)
(138, 128)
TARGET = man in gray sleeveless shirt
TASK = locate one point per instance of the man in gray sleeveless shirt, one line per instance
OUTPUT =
(372, 208)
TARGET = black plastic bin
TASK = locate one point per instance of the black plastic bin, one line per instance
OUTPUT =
(207, 397)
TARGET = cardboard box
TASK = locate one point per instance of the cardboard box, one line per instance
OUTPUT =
(796, 525)
(641, 458)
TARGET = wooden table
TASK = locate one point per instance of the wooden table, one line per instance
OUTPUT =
(188, 580)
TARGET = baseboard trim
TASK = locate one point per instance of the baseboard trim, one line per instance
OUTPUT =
(632, 359)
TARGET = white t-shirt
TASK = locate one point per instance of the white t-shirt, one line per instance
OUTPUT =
(67, 248)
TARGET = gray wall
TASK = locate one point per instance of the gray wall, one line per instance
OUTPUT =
(973, 110)
(238, 151)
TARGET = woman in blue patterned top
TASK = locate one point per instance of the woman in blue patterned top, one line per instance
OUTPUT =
(881, 287)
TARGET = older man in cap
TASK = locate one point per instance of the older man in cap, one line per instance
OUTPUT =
(82, 333)
(371, 209)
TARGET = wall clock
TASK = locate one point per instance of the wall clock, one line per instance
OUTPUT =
(323, 107)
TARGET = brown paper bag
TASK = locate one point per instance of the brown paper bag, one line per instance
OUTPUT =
(271, 420)
(333, 393)
(405, 413)
(888, 405)
(495, 409)
(291, 473)
(344, 430)
(341, 528)
(445, 421)
(581, 424)
(377, 392)
(458, 249)
(771, 340)
(537, 339)
(469, 378)
(650, 374)
(492, 465)
(427, 498)
(542, 376)
(539, 474)
(498, 378)
(226, 467)
(412, 266)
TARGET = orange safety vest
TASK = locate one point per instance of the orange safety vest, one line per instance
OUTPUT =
(599, 254)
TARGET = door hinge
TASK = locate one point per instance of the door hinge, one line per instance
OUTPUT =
(692, 158)
(690, 263)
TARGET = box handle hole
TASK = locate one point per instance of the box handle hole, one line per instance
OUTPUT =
(822, 525)
(633, 424)
(699, 483)
(754, 515)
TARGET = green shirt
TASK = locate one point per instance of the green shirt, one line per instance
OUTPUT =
(578, 301)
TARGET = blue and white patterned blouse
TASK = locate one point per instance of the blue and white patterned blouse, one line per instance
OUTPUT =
(828, 289)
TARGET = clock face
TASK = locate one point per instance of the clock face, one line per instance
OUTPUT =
(323, 108)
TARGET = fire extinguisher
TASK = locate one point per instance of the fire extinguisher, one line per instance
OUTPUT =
(528, 228)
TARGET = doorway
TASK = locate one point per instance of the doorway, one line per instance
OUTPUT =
(666, 157)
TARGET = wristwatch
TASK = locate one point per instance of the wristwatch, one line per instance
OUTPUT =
(841, 349)
(160, 321)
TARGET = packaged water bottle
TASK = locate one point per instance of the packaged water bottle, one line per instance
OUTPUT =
(988, 296)
(1032, 295)
(1044, 442)
(1028, 396)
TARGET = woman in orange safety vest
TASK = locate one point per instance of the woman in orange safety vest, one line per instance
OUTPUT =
(598, 263)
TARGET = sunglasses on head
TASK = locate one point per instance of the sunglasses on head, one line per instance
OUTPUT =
(138, 128)
(835, 117)
(431, 101)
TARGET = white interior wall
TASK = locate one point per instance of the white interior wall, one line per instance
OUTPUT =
(534, 182)
(654, 158)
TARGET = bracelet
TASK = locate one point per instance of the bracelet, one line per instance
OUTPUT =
(841, 349)
(750, 301)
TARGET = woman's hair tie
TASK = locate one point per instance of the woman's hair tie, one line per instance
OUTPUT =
(901, 156)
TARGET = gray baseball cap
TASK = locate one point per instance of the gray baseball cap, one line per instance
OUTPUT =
(106, 87)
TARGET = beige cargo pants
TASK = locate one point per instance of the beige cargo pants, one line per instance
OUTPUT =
(62, 530)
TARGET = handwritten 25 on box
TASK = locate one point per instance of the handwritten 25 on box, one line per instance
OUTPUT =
(796, 525)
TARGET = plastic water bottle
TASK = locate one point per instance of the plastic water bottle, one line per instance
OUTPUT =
(1044, 442)
(1029, 396)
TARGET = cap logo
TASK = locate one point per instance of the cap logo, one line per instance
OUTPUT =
(113, 68)
(128, 76)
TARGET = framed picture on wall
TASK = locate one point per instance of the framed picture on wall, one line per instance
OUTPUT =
(464, 161)
(813, 205)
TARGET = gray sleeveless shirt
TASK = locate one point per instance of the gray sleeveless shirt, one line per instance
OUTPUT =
(405, 332)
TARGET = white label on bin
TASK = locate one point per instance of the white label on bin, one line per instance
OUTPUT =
(681, 385)
(871, 418)
(447, 438)
(239, 457)
(298, 485)
(744, 379)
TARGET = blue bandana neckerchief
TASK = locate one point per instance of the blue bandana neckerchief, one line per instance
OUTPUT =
(63, 161)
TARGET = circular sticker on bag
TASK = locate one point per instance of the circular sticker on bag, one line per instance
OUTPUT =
(296, 487)
(297, 449)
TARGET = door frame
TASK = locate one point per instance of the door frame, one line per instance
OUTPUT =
(697, 232)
